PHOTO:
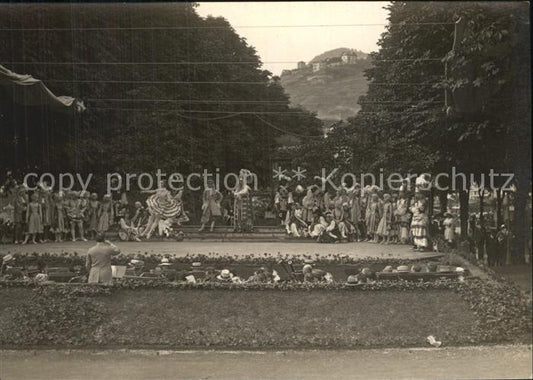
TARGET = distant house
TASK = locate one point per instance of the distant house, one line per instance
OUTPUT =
(334, 61)
(349, 57)
(301, 65)
(317, 66)
(285, 72)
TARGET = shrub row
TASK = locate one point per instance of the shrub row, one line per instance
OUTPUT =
(74, 259)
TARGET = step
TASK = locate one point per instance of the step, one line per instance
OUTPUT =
(236, 237)
(229, 229)
(225, 233)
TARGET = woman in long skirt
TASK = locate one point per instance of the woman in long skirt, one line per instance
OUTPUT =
(243, 208)
(402, 216)
(449, 227)
(373, 216)
(356, 212)
(59, 220)
(419, 224)
(211, 210)
(395, 225)
(340, 209)
(281, 203)
(92, 215)
(308, 203)
(385, 224)
(20, 210)
(47, 203)
(105, 214)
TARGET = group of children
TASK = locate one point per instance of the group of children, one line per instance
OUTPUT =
(356, 214)
(42, 215)
(346, 214)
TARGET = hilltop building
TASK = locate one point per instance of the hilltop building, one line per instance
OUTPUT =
(349, 57)
(317, 66)
(335, 61)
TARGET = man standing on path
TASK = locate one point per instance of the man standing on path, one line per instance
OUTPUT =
(98, 262)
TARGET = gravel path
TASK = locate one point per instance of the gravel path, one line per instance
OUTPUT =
(496, 362)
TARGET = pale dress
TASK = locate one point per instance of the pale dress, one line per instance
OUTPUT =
(449, 229)
(35, 225)
(106, 216)
(385, 223)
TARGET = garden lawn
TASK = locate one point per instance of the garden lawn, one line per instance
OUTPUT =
(244, 319)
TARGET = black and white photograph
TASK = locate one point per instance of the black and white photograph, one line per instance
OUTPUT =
(265, 190)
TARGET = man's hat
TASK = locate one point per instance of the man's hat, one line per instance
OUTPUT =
(352, 279)
(165, 262)
(225, 274)
(137, 263)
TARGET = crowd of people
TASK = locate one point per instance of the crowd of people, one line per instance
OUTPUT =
(358, 214)
(347, 214)
(42, 214)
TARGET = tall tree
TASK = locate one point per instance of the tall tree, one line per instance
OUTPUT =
(164, 88)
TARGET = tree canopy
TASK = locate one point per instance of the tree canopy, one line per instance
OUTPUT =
(408, 124)
(164, 88)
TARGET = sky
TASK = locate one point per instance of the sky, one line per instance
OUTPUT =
(302, 43)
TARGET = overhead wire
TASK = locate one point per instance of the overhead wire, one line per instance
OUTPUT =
(287, 132)
(204, 111)
(237, 113)
(435, 59)
(166, 28)
(217, 82)
(236, 102)
(229, 114)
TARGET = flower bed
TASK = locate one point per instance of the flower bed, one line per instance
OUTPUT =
(340, 266)
(156, 313)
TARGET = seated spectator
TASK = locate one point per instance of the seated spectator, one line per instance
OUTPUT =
(7, 263)
(319, 223)
(283, 271)
(332, 233)
(135, 267)
(140, 216)
(262, 275)
(296, 226)
(128, 232)
(224, 276)
(315, 275)
(210, 274)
